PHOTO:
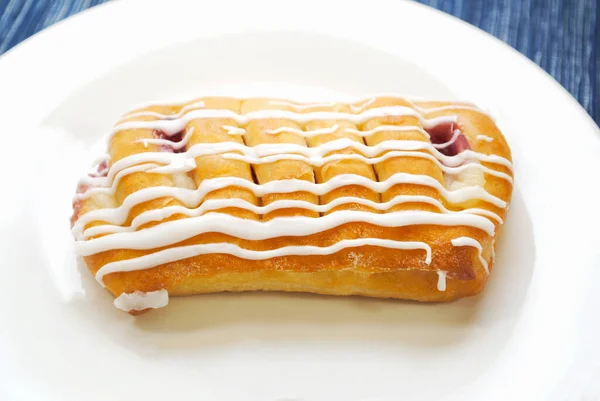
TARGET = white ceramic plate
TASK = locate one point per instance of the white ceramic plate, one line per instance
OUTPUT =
(531, 335)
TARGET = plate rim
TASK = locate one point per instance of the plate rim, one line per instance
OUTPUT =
(29, 47)
(32, 43)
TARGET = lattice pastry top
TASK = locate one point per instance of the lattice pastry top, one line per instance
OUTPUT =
(383, 196)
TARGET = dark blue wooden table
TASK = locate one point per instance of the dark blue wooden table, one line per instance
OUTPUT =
(561, 36)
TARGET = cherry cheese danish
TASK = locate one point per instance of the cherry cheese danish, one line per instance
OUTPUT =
(382, 197)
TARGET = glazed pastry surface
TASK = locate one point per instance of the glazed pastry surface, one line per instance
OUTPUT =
(382, 197)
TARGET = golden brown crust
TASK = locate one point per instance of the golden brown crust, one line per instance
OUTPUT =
(256, 134)
(366, 270)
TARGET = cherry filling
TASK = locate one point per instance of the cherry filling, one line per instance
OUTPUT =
(175, 138)
(78, 203)
(448, 139)
(81, 188)
(77, 206)
(101, 170)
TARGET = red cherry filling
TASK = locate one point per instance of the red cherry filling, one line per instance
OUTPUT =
(175, 138)
(449, 139)
(81, 188)
(78, 203)
(77, 206)
(101, 170)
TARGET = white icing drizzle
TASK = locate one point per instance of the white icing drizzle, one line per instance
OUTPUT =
(192, 198)
(427, 110)
(177, 166)
(387, 128)
(165, 142)
(466, 241)
(139, 300)
(111, 190)
(100, 159)
(358, 109)
(357, 104)
(455, 106)
(192, 106)
(171, 232)
(305, 134)
(146, 113)
(172, 103)
(182, 180)
(100, 173)
(216, 204)
(311, 133)
(202, 217)
(315, 156)
(183, 252)
(362, 107)
(184, 165)
(444, 145)
(231, 130)
(363, 134)
(366, 102)
(300, 106)
(173, 126)
(441, 284)
(319, 161)
(484, 138)
(184, 109)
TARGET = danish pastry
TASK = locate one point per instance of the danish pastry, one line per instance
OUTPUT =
(382, 197)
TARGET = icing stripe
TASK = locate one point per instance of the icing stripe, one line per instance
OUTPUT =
(139, 300)
(204, 149)
(300, 106)
(441, 284)
(171, 232)
(216, 204)
(192, 198)
(184, 109)
(183, 252)
(358, 109)
(173, 126)
(484, 138)
(111, 190)
(186, 165)
(198, 222)
(174, 145)
(466, 241)
(444, 145)
(231, 130)
(320, 161)
(316, 132)
(357, 105)
(305, 134)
